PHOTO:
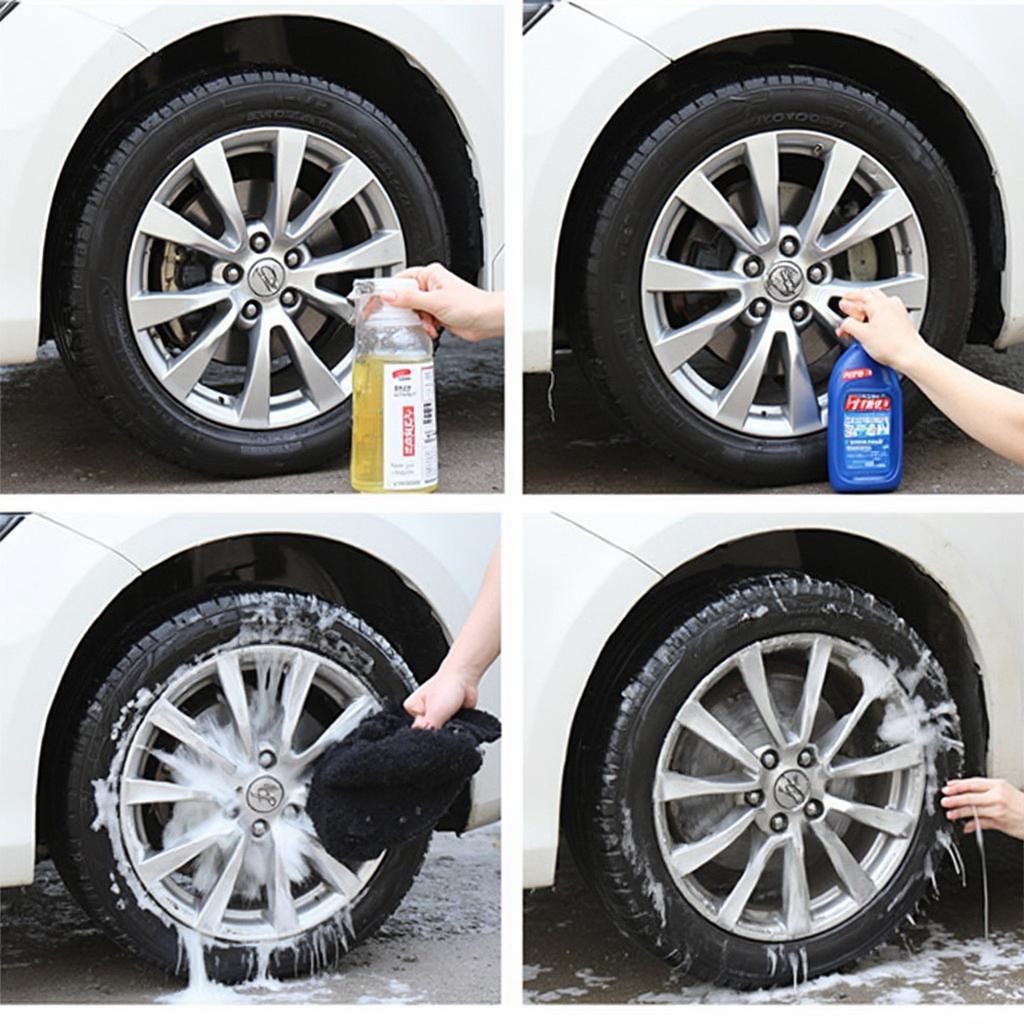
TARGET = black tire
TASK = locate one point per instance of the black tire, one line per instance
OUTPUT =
(92, 862)
(606, 321)
(93, 329)
(611, 826)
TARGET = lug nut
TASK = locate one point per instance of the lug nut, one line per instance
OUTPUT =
(816, 274)
(805, 758)
(813, 809)
(267, 759)
(778, 822)
(288, 297)
(251, 310)
(232, 811)
(769, 759)
(753, 267)
(759, 307)
(232, 274)
(259, 242)
(798, 311)
(259, 827)
(789, 246)
(292, 258)
(754, 798)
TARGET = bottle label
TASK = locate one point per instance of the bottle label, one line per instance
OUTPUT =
(410, 430)
(867, 430)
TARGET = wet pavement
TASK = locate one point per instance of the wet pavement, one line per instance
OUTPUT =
(584, 451)
(441, 946)
(573, 954)
(52, 440)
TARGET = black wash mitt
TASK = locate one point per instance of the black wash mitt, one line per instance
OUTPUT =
(387, 783)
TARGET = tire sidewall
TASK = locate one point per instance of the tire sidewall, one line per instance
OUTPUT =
(678, 145)
(122, 704)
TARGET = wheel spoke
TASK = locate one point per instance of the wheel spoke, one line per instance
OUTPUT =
(832, 742)
(733, 406)
(212, 165)
(677, 347)
(147, 309)
(159, 221)
(895, 823)
(663, 275)
(185, 370)
(911, 288)
(795, 894)
(167, 717)
(149, 791)
(321, 386)
(694, 717)
(327, 301)
(293, 698)
(382, 249)
(253, 406)
(347, 181)
(836, 174)
(688, 857)
(763, 160)
(161, 864)
(814, 682)
(333, 872)
(212, 911)
(339, 728)
(801, 402)
(700, 195)
(855, 879)
(751, 666)
(229, 674)
(907, 755)
(289, 152)
(671, 785)
(885, 211)
(761, 851)
(283, 914)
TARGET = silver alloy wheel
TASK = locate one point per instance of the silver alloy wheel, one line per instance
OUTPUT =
(212, 794)
(767, 827)
(747, 260)
(230, 269)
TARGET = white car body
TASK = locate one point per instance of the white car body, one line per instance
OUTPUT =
(970, 50)
(58, 63)
(61, 570)
(600, 566)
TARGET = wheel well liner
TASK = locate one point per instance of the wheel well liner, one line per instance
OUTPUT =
(372, 67)
(326, 568)
(901, 82)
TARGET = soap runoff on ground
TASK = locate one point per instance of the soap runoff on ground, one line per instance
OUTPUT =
(574, 954)
(53, 441)
(585, 452)
(443, 945)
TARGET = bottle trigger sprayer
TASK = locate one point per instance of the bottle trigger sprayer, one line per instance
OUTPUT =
(865, 424)
(394, 425)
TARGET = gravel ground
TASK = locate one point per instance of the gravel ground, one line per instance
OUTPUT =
(443, 945)
(573, 954)
(584, 451)
(54, 441)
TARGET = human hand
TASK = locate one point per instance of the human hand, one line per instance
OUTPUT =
(998, 804)
(882, 325)
(444, 300)
(440, 697)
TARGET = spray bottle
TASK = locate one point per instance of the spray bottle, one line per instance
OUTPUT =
(394, 429)
(865, 424)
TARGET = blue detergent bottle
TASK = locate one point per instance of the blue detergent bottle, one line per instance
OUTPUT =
(865, 424)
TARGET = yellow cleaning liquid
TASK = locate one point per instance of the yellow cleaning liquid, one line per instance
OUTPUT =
(394, 436)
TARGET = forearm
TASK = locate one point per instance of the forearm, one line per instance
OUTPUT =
(990, 413)
(479, 640)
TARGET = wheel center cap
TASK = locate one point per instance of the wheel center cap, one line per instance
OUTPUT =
(784, 282)
(266, 278)
(264, 794)
(791, 789)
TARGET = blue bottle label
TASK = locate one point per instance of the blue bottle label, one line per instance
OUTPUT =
(867, 433)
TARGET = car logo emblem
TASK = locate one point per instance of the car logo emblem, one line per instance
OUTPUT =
(264, 794)
(266, 278)
(785, 281)
(791, 789)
